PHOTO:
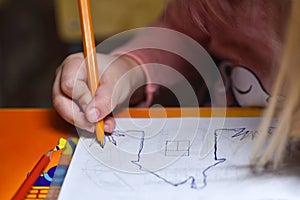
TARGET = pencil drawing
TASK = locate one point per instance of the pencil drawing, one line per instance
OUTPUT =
(196, 179)
(177, 148)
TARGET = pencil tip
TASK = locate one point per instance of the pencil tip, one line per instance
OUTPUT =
(101, 144)
(49, 153)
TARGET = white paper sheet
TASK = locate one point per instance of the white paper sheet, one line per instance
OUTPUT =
(169, 159)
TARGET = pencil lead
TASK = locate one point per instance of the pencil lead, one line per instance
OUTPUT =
(49, 154)
(102, 144)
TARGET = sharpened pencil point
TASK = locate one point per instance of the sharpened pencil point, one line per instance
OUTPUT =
(101, 144)
(99, 131)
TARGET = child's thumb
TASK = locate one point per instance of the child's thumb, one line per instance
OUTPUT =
(100, 106)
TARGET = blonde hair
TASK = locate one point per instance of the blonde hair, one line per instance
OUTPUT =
(286, 109)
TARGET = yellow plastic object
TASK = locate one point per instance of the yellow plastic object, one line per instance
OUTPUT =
(109, 17)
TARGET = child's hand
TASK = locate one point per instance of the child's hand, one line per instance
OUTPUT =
(71, 96)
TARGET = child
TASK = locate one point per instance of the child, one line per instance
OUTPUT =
(245, 37)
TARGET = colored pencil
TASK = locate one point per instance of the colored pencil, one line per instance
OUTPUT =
(33, 176)
(90, 56)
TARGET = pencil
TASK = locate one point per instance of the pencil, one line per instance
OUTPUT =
(90, 58)
(33, 176)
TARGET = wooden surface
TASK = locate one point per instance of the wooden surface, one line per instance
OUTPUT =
(29, 133)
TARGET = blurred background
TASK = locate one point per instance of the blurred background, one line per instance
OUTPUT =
(37, 35)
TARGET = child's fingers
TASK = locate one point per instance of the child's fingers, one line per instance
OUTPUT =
(109, 124)
(81, 94)
(72, 73)
(71, 95)
(67, 108)
(74, 116)
(73, 80)
(101, 106)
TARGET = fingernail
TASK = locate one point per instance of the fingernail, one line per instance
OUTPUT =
(93, 115)
(106, 128)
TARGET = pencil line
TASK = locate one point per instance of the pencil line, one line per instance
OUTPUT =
(216, 158)
(136, 162)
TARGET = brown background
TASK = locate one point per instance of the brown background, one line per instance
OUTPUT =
(37, 35)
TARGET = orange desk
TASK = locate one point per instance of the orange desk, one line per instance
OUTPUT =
(29, 133)
(26, 135)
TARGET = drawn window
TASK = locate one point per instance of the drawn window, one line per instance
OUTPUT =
(177, 148)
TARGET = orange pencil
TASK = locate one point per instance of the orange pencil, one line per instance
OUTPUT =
(90, 57)
(34, 175)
